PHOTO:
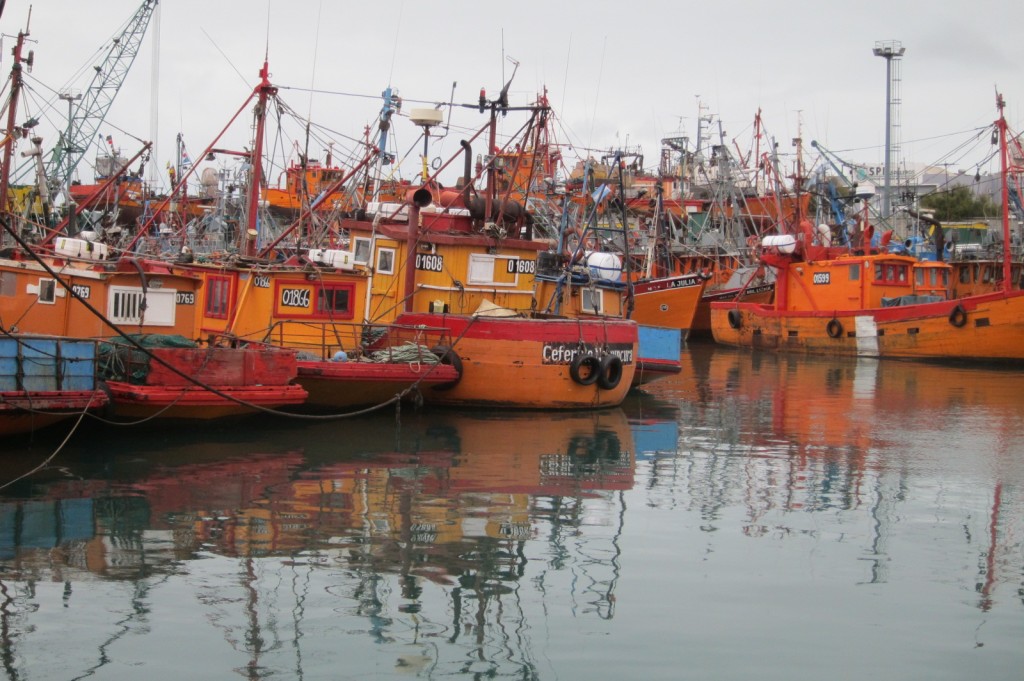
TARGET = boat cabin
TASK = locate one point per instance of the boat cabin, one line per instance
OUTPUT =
(974, 277)
(136, 295)
(861, 282)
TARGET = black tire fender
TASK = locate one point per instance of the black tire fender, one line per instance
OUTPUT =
(447, 355)
(834, 328)
(609, 373)
(593, 364)
(958, 316)
(735, 319)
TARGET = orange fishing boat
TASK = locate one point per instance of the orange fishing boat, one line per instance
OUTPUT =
(729, 280)
(308, 182)
(832, 300)
(311, 301)
(74, 290)
(660, 294)
(75, 287)
(463, 261)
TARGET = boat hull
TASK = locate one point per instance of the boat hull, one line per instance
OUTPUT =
(25, 412)
(657, 354)
(44, 380)
(669, 302)
(356, 384)
(528, 363)
(701, 327)
(985, 327)
(179, 402)
(201, 383)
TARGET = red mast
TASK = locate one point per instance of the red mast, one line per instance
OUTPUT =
(265, 91)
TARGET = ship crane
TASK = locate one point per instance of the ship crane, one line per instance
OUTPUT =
(88, 113)
(838, 204)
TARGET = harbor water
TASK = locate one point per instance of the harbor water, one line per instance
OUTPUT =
(757, 516)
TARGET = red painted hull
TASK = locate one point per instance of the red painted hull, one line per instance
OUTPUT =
(648, 370)
(23, 412)
(142, 401)
(355, 384)
(206, 383)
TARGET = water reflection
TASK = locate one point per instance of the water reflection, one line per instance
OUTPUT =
(777, 434)
(359, 528)
(696, 518)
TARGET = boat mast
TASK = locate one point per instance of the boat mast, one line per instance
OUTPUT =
(627, 256)
(1004, 171)
(12, 112)
(266, 90)
(392, 103)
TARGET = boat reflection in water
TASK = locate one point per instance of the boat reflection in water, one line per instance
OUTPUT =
(787, 438)
(404, 535)
(841, 518)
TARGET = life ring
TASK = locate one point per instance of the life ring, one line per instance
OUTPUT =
(610, 372)
(593, 371)
(735, 318)
(834, 328)
(446, 355)
(958, 317)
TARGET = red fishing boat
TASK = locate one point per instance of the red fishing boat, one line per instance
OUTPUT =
(182, 380)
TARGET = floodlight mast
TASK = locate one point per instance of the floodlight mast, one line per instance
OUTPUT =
(888, 50)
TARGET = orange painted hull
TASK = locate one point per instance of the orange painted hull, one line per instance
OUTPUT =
(670, 302)
(702, 319)
(526, 363)
(990, 329)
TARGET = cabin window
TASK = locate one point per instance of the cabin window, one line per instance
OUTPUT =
(361, 250)
(854, 272)
(591, 300)
(965, 275)
(919, 277)
(386, 260)
(986, 274)
(47, 290)
(335, 301)
(8, 284)
(132, 305)
(481, 269)
(218, 297)
(892, 273)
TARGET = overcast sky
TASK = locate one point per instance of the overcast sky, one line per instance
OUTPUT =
(617, 73)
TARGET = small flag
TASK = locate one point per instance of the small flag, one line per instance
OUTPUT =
(185, 160)
(602, 193)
